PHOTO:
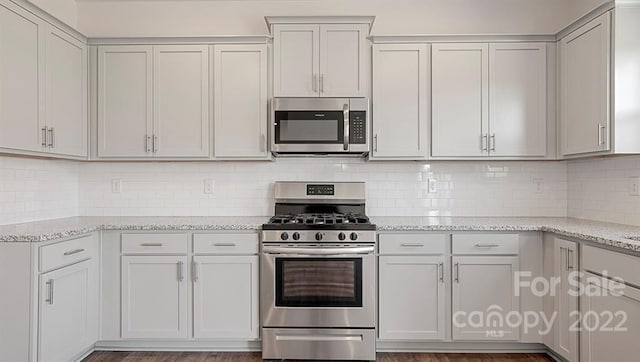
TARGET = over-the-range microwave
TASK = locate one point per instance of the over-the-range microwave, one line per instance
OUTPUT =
(320, 126)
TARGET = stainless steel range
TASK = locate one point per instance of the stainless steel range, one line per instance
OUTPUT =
(318, 284)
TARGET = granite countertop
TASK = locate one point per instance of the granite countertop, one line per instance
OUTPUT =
(615, 235)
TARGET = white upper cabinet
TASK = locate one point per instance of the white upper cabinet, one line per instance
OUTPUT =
(240, 101)
(125, 118)
(181, 100)
(584, 88)
(20, 72)
(518, 99)
(460, 102)
(400, 109)
(326, 60)
(153, 101)
(66, 94)
(489, 100)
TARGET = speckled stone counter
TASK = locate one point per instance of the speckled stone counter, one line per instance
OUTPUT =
(615, 235)
(62, 228)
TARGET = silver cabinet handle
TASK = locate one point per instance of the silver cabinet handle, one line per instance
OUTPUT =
(441, 272)
(155, 143)
(566, 258)
(569, 259)
(321, 83)
(456, 269)
(147, 143)
(224, 244)
(44, 136)
(180, 274)
(263, 143)
(50, 295)
(486, 245)
(195, 271)
(375, 143)
(67, 253)
(345, 114)
(483, 142)
(314, 83)
(412, 245)
(151, 244)
(492, 142)
(51, 137)
(600, 134)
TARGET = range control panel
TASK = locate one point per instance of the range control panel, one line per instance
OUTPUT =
(320, 190)
(358, 127)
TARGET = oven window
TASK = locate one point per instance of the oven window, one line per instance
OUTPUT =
(319, 282)
(309, 127)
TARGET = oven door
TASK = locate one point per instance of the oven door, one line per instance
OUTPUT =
(310, 125)
(327, 286)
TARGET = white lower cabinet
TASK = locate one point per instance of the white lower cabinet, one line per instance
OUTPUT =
(565, 302)
(483, 296)
(154, 297)
(68, 311)
(412, 297)
(225, 297)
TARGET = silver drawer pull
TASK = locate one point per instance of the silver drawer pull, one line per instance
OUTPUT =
(224, 244)
(67, 253)
(486, 245)
(412, 245)
(151, 244)
(50, 296)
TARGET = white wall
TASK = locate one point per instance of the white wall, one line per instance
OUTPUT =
(100, 18)
(37, 189)
(599, 189)
(64, 10)
(393, 188)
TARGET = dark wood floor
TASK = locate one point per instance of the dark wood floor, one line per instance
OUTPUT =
(256, 357)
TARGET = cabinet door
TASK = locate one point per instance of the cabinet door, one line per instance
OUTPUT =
(125, 113)
(181, 101)
(518, 100)
(343, 51)
(460, 107)
(484, 286)
(584, 87)
(68, 312)
(20, 75)
(225, 297)
(413, 309)
(240, 101)
(296, 60)
(565, 304)
(154, 297)
(610, 328)
(400, 101)
(66, 93)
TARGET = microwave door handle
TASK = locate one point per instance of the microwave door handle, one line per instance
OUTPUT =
(345, 111)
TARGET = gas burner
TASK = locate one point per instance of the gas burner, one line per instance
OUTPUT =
(319, 219)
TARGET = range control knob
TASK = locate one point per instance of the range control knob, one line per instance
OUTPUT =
(284, 236)
(296, 236)
(353, 236)
(341, 236)
(318, 236)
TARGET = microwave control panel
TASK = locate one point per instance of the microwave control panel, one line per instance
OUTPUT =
(357, 127)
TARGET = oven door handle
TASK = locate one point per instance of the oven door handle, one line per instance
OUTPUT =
(318, 251)
(345, 112)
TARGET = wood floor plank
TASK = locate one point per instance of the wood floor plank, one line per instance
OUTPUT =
(103, 356)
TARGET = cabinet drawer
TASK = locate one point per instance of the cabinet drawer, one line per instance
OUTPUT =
(225, 243)
(402, 243)
(67, 252)
(160, 243)
(615, 264)
(493, 244)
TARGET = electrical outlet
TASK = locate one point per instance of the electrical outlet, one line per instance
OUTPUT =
(116, 186)
(539, 185)
(209, 186)
(433, 185)
(634, 186)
